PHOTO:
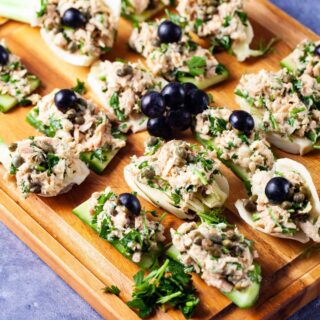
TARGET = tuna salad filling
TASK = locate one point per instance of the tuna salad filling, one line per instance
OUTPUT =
(83, 126)
(16, 83)
(219, 253)
(290, 216)
(45, 166)
(114, 222)
(249, 151)
(225, 20)
(120, 87)
(182, 61)
(92, 34)
(282, 103)
(187, 176)
(140, 10)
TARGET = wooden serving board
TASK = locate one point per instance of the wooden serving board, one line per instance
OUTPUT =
(291, 271)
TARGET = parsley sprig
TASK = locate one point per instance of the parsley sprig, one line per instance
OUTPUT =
(168, 286)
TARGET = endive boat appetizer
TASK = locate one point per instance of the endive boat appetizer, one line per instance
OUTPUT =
(120, 220)
(222, 256)
(16, 83)
(304, 60)
(120, 87)
(171, 53)
(66, 115)
(225, 22)
(237, 144)
(42, 165)
(179, 177)
(284, 106)
(142, 10)
(284, 203)
(77, 31)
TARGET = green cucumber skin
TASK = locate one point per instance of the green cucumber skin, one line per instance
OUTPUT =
(243, 299)
(96, 165)
(234, 168)
(8, 102)
(288, 64)
(148, 259)
(206, 83)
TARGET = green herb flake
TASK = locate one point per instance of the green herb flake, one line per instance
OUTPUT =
(80, 87)
(197, 66)
(112, 289)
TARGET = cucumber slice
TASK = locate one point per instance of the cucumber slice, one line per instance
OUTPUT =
(148, 259)
(97, 163)
(144, 16)
(288, 64)
(7, 102)
(242, 298)
(206, 83)
(237, 170)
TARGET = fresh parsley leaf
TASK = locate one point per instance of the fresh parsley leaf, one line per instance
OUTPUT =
(243, 17)
(80, 87)
(197, 66)
(115, 105)
(112, 289)
(43, 8)
(167, 286)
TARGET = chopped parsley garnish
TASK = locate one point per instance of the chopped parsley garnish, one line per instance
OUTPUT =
(168, 286)
(115, 105)
(243, 17)
(80, 87)
(112, 289)
(197, 66)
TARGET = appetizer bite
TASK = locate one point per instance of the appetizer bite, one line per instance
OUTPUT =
(16, 83)
(120, 220)
(171, 53)
(180, 177)
(120, 87)
(224, 22)
(142, 10)
(285, 107)
(221, 255)
(78, 32)
(304, 60)
(284, 203)
(66, 115)
(237, 144)
(44, 166)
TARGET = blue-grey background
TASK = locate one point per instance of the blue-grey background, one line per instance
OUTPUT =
(30, 290)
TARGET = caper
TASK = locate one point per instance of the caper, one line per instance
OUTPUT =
(198, 240)
(290, 193)
(254, 198)
(124, 71)
(229, 126)
(216, 239)
(79, 120)
(13, 147)
(250, 206)
(227, 243)
(299, 197)
(17, 161)
(35, 188)
(286, 205)
(73, 47)
(148, 173)
(304, 190)
(156, 43)
(230, 234)
(71, 114)
(266, 124)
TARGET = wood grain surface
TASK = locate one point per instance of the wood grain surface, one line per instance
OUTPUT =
(291, 271)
